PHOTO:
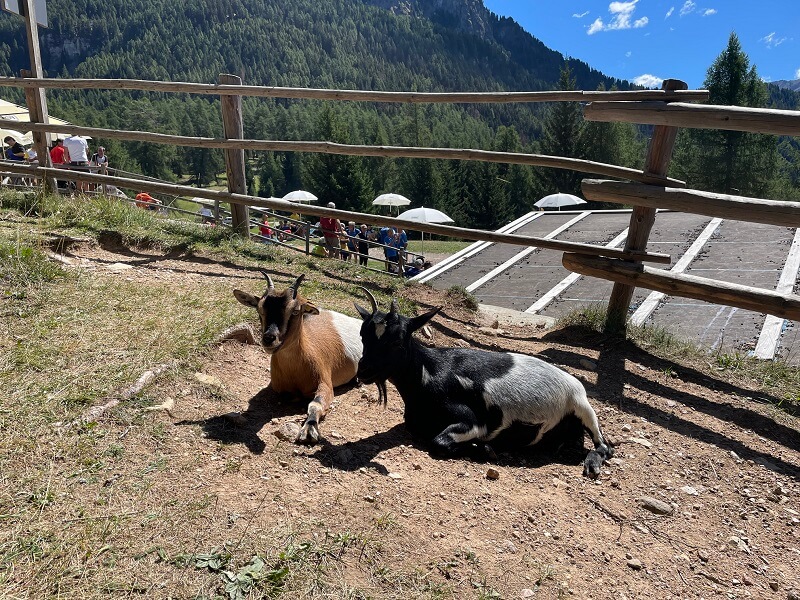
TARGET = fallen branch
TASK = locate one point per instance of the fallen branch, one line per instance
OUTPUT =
(243, 332)
(96, 411)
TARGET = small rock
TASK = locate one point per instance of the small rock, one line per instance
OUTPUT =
(369, 498)
(587, 364)
(626, 427)
(641, 442)
(283, 463)
(118, 267)
(236, 418)
(396, 475)
(417, 466)
(427, 332)
(288, 431)
(739, 543)
(509, 546)
(656, 506)
(635, 564)
(774, 585)
(702, 555)
(492, 473)
(687, 489)
(746, 579)
(495, 324)
(527, 593)
(208, 379)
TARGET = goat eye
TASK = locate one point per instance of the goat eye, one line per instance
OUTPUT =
(296, 311)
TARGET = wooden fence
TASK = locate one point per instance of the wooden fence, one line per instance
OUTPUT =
(645, 189)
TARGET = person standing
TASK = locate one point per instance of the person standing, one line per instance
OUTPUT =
(77, 153)
(100, 159)
(58, 157)
(364, 236)
(331, 229)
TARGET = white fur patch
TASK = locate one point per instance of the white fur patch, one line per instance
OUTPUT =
(380, 329)
(350, 332)
(465, 382)
(426, 377)
(477, 432)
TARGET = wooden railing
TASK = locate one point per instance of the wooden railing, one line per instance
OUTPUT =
(645, 189)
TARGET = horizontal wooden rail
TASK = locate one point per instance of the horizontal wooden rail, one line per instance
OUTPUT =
(739, 208)
(697, 116)
(536, 160)
(351, 95)
(687, 286)
(319, 211)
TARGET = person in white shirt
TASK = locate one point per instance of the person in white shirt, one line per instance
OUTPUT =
(77, 154)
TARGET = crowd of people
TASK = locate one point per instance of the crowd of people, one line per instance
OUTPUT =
(70, 152)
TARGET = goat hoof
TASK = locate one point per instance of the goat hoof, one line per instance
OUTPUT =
(592, 464)
(309, 435)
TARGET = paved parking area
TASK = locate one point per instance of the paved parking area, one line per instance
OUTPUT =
(732, 251)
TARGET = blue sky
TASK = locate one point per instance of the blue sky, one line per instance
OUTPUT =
(649, 40)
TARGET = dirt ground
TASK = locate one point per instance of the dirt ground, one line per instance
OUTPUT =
(725, 462)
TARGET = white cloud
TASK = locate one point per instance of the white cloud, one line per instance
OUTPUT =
(709, 11)
(669, 12)
(772, 41)
(621, 14)
(628, 54)
(797, 74)
(596, 26)
(648, 80)
(687, 7)
(580, 16)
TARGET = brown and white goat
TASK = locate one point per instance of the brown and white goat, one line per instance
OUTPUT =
(312, 350)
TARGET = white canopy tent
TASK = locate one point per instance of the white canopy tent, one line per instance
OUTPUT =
(14, 112)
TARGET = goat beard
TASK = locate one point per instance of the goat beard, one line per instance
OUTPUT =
(382, 396)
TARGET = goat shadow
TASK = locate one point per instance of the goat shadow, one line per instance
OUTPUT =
(562, 445)
(244, 427)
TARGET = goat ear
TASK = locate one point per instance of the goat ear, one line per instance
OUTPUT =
(417, 322)
(246, 299)
(365, 314)
(310, 309)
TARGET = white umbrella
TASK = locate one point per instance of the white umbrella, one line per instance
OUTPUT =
(301, 196)
(425, 215)
(559, 200)
(391, 200)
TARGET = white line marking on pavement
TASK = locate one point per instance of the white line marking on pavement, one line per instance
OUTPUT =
(542, 302)
(767, 343)
(651, 302)
(520, 255)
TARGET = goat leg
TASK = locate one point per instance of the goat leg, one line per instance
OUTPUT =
(317, 409)
(456, 439)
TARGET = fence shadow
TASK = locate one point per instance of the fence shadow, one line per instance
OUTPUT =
(612, 377)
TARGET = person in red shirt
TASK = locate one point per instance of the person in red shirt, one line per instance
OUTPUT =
(57, 153)
(331, 230)
(266, 230)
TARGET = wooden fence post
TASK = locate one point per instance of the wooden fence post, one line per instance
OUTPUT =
(659, 155)
(234, 159)
(35, 97)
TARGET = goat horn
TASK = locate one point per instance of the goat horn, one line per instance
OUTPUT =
(296, 285)
(269, 279)
(371, 299)
(394, 309)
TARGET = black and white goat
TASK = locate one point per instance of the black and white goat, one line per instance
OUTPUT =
(454, 397)
(312, 350)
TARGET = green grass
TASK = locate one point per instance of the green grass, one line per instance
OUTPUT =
(436, 246)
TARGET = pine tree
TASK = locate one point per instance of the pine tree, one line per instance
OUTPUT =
(729, 161)
(562, 137)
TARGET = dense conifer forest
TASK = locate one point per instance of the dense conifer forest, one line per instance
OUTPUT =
(449, 45)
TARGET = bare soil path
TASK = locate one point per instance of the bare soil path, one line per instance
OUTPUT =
(724, 463)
